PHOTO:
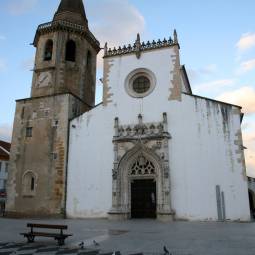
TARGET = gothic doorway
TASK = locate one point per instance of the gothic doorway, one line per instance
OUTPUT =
(141, 174)
(143, 199)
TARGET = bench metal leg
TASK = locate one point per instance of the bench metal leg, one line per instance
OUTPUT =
(30, 238)
(61, 241)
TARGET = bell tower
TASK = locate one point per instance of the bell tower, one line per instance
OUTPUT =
(63, 87)
(66, 53)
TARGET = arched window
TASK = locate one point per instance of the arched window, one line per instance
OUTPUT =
(29, 183)
(48, 50)
(70, 51)
(89, 59)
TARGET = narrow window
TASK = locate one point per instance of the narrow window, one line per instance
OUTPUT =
(6, 167)
(70, 51)
(32, 183)
(0, 166)
(48, 50)
(29, 184)
(29, 131)
(89, 59)
(22, 112)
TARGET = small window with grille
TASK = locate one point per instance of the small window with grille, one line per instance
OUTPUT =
(29, 132)
(141, 84)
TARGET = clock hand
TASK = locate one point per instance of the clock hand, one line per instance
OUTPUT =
(44, 78)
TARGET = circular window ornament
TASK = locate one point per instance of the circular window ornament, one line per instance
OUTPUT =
(140, 83)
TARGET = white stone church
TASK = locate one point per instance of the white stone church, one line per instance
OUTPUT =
(151, 149)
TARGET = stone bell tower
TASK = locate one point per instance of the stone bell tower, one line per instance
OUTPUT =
(63, 87)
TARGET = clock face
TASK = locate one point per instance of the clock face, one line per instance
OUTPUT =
(44, 79)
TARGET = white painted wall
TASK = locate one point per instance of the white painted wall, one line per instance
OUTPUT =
(202, 153)
(3, 173)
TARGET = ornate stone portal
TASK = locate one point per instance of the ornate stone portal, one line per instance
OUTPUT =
(141, 152)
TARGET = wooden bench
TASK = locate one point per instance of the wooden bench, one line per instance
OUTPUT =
(60, 237)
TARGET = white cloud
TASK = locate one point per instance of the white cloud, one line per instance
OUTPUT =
(213, 85)
(116, 22)
(249, 142)
(196, 74)
(246, 66)
(209, 69)
(244, 97)
(246, 42)
(18, 7)
(5, 132)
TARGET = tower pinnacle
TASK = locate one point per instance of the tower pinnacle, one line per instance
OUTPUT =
(72, 11)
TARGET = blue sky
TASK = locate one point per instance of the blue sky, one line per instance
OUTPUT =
(217, 40)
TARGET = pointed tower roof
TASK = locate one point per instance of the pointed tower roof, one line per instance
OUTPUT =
(72, 11)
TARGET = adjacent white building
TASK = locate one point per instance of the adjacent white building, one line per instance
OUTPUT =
(4, 165)
(153, 148)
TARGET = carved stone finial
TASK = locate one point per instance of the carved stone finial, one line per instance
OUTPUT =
(105, 49)
(138, 39)
(165, 117)
(138, 46)
(116, 126)
(165, 123)
(140, 119)
(175, 37)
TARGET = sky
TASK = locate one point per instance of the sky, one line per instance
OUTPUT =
(217, 40)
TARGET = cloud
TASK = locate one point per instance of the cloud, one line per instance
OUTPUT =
(246, 42)
(5, 132)
(19, 7)
(213, 85)
(244, 97)
(196, 74)
(209, 69)
(246, 66)
(116, 22)
(3, 65)
(249, 142)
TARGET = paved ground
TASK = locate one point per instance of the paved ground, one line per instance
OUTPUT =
(130, 237)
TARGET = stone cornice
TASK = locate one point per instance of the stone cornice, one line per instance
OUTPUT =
(140, 47)
(61, 25)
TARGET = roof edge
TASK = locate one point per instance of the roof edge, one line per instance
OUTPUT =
(213, 100)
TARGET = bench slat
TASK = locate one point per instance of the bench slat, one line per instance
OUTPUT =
(46, 234)
(32, 225)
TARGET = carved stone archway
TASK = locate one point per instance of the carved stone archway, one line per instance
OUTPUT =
(147, 144)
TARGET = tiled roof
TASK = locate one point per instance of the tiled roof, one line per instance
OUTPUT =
(4, 148)
(5, 145)
(72, 6)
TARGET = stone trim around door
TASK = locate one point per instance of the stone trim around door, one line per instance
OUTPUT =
(146, 144)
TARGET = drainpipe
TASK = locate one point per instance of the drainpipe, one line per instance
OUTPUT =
(66, 173)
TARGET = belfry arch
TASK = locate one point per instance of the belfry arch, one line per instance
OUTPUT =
(145, 160)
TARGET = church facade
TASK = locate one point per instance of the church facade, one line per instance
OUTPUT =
(151, 149)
